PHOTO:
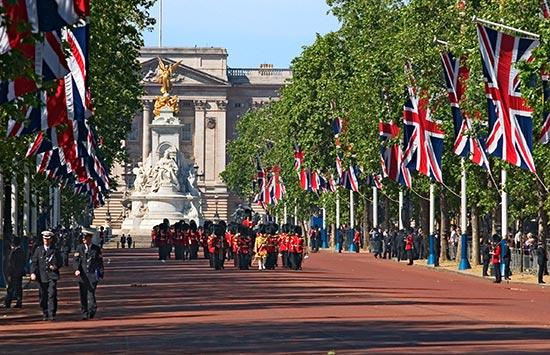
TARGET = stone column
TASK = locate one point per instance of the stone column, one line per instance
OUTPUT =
(146, 131)
(198, 135)
(221, 138)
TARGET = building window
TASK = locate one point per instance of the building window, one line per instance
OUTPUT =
(238, 105)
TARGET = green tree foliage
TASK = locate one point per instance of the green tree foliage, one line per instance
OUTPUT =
(360, 68)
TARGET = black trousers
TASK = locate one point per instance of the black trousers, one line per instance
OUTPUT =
(48, 297)
(485, 267)
(507, 272)
(14, 291)
(178, 252)
(541, 272)
(498, 276)
(284, 258)
(244, 261)
(88, 305)
(193, 251)
(410, 256)
(296, 261)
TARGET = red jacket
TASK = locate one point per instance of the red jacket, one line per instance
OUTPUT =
(297, 244)
(409, 242)
(496, 255)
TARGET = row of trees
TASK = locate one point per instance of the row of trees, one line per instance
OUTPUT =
(115, 40)
(360, 68)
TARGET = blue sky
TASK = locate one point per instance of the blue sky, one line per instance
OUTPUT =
(252, 31)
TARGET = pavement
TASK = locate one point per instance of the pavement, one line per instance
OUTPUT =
(339, 303)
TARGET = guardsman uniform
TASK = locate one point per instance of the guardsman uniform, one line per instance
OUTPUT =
(496, 260)
(45, 269)
(357, 241)
(271, 259)
(88, 266)
(178, 241)
(283, 248)
(297, 249)
(260, 250)
(409, 241)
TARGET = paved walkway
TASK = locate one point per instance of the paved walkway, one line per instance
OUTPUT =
(350, 303)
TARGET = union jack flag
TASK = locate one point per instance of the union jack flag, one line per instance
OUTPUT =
(510, 119)
(545, 134)
(350, 180)
(545, 8)
(466, 145)
(423, 138)
(314, 181)
(339, 168)
(277, 187)
(332, 186)
(298, 157)
(304, 179)
(391, 156)
(49, 63)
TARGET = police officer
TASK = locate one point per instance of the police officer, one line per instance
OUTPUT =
(14, 273)
(88, 266)
(45, 269)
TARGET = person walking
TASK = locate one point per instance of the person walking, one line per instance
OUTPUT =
(542, 260)
(88, 266)
(496, 258)
(485, 257)
(123, 241)
(409, 241)
(129, 241)
(14, 274)
(45, 270)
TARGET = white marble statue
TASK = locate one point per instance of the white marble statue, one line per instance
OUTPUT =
(140, 183)
(165, 173)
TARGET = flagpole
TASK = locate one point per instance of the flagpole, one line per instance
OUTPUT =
(337, 243)
(401, 200)
(351, 218)
(14, 205)
(496, 24)
(160, 23)
(431, 255)
(375, 207)
(296, 214)
(504, 217)
(285, 214)
(324, 241)
(464, 262)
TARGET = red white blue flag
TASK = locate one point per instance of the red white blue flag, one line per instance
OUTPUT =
(545, 133)
(423, 137)
(466, 144)
(510, 119)
(391, 155)
(545, 8)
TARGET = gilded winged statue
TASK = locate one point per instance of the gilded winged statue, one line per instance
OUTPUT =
(164, 75)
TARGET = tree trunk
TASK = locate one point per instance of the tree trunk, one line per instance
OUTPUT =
(475, 235)
(444, 225)
(425, 220)
(542, 195)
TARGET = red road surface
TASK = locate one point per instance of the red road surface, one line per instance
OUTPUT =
(349, 303)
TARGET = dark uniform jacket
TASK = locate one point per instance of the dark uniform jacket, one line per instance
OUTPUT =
(89, 264)
(16, 263)
(542, 257)
(46, 264)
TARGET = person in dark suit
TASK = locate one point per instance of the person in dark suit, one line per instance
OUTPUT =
(14, 274)
(45, 269)
(88, 266)
(542, 260)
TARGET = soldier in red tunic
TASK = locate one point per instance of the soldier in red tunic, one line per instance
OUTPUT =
(271, 247)
(162, 239)
(178, 240)
(297, 248)
(193, 240)
(283, 245)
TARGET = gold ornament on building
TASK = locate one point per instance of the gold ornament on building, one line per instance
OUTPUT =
(164, 76)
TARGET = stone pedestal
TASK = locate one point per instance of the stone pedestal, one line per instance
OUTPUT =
(166, 185)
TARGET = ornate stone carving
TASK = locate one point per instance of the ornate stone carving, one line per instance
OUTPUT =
(222, 105)
(257, 104)
(200, 105)
(210, 122)
(140, 183)
(165, 174)
(171, 102)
